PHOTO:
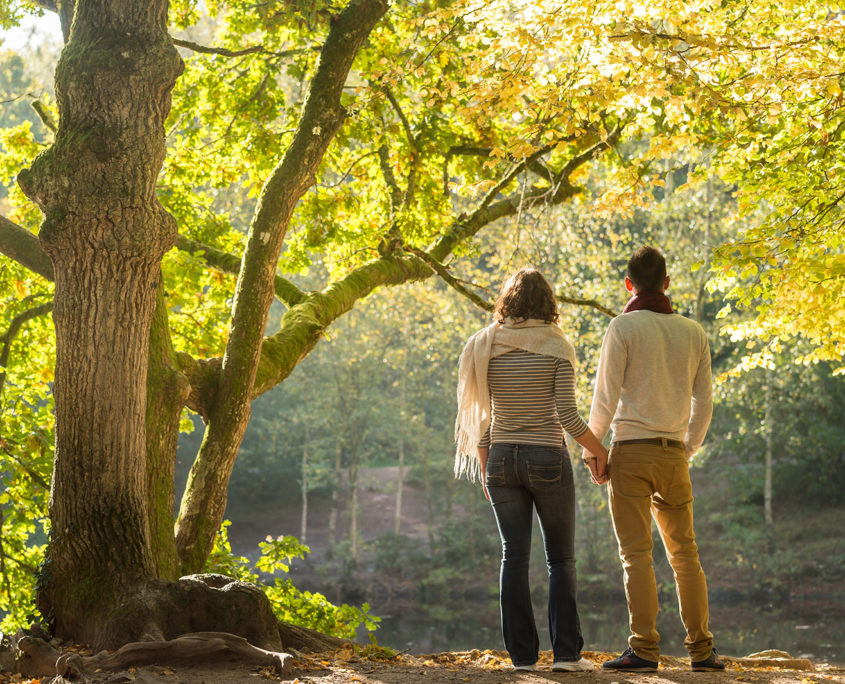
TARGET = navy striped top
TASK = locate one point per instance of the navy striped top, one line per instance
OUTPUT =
(533, 399)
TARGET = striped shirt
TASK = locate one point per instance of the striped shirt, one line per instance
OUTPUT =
(533, 399)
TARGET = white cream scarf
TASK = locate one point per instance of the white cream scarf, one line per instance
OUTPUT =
(474, 405)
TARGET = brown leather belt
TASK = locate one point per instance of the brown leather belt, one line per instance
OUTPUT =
(662, 441)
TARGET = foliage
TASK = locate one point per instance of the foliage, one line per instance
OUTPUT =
(304, 608)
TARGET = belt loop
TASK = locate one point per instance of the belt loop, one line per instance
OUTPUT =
(663, 442)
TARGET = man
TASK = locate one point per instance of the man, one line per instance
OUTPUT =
(653, 389)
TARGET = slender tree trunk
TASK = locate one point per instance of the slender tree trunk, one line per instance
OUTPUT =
(105, 233)
(335, 497)
(400, 477)
(704, 270)
(353, 506)
(429, 512)
(767, 484)
(303, 527)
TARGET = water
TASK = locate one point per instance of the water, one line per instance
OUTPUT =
(739, 628)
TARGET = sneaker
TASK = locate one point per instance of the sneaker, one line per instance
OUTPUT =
(711, 664)
(630, 662)
(582, 665)
(524, 668)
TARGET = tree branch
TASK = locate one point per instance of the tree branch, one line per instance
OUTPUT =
(254, 49)
(303, 325)
(285, 290)
(586, 302)
(35, 477)
(393, 190)
(9, 336)
(468, 225)
(22, 246)
(450, 280)
(411, 181)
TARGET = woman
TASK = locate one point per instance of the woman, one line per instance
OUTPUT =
(516, 396)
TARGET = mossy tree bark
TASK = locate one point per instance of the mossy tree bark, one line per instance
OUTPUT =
(105, 233)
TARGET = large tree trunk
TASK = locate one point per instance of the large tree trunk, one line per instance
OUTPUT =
(105, 233)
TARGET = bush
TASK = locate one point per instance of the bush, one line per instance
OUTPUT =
(303, 608)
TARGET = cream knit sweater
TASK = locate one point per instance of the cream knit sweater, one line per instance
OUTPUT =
(653, 380)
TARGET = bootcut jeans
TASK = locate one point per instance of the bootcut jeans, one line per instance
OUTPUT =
(521, 478)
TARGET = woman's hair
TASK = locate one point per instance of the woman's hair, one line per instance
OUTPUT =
(526, 294)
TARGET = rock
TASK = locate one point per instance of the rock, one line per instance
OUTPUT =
(771, 653)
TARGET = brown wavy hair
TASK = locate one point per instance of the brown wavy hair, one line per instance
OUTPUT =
(527, 294)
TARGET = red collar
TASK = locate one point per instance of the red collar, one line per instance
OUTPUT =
(649, 301)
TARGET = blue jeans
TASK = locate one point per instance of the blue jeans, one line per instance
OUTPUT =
(520, 478)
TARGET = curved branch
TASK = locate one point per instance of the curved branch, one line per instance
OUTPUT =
(454, 151)
(304, 324)
(22, 246)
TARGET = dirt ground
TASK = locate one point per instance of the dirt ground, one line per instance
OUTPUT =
(487, 667)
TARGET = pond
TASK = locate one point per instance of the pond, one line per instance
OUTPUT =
(739, 628)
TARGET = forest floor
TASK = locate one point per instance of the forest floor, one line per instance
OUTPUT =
(478, 667)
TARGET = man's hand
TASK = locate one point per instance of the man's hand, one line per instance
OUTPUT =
(597, 463)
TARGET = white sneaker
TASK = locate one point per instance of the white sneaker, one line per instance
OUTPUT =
(524, 668)
(582, 665)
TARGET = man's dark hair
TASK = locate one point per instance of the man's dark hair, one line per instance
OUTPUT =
(527, 294)
(647, 269)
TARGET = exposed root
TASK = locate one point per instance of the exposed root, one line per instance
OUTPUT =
(207, 646)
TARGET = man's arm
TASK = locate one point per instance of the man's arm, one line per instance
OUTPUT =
(609, 376)
(702, 402)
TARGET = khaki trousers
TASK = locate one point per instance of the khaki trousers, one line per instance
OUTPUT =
(652, 480)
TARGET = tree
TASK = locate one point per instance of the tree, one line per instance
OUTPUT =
(120, 385)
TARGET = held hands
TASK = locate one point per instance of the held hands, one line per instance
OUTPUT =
(597, 463)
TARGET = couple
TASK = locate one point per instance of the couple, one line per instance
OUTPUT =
(516, 396)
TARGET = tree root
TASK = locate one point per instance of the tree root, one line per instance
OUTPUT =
(37, 658)
(208, 646)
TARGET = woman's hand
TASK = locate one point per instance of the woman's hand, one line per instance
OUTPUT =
(597, 463)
